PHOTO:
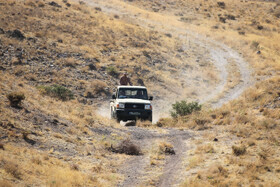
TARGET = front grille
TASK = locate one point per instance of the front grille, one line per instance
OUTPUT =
(134, 106)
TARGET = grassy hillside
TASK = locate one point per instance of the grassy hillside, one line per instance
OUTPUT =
(251, 155)
(65, 58)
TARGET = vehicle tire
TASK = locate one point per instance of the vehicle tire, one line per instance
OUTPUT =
(151, 118)
(112, 114)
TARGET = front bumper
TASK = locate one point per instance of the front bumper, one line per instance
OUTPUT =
(132, 114)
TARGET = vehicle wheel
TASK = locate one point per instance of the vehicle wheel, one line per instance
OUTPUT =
(112, 114)
(151, 118)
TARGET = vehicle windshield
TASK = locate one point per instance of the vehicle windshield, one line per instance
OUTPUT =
(135, 93)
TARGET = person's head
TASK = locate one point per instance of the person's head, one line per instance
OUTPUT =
(125, 74)
(121, 93)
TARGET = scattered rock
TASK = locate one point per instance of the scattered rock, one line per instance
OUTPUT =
(82, 3)
(222, 19)
(168, 35)
(146, 54)
(215, 27)
(155, 9)
(2, 68)
(215, 139)
(2, 31)
(54, 4)
(28, 140)
(2, 146)
(34, 40)
(130, 123)
(169, 151)
(116, 16)
(89, 95)
(259, 52)
(241, 32)
(68, 4)
(60, 41)
(230, 17)
(98, 8)
(92, 67)
(159, 124)
(221, 4)
(260, 27)
(17, 34)
(214, 116)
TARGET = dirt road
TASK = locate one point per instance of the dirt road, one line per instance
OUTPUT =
(138, 168)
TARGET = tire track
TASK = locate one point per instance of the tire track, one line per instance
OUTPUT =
(220, 54)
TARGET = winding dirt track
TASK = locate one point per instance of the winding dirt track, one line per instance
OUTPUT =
(221, 55)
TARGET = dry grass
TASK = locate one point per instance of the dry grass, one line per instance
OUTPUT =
(254, 117)
(97, 88)
(251, 121)
(159, 151)
(12, 168)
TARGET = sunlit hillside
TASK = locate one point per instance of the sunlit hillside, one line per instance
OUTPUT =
(60, 63)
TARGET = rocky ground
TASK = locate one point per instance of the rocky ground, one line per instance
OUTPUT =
(194, 50)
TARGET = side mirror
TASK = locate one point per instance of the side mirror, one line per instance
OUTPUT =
(151, 98)
(114, 96)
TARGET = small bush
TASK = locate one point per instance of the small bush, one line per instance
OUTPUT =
(166, 148)
(127, 147)
(96, 88)
(15, 99)
(111, 70)
(238, 150)
(255, 45)
(183, 108)
(57, 91)
(13, 169)
(75, 167)
(2, 146)
(277, 12)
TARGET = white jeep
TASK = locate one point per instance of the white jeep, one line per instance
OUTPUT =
(131, 103)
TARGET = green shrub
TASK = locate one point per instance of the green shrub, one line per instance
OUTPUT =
(15, 98)
(183, 108)
(57, 91)
(111, 70)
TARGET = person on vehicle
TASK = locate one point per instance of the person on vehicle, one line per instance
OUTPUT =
(139, 94)
(122, 94)
(125, 80)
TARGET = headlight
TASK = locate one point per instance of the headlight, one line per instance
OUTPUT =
(148, 107)
(120, 105)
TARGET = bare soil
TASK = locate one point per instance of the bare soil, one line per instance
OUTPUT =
(208, 51)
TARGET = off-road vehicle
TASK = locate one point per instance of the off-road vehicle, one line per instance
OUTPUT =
(131, 103)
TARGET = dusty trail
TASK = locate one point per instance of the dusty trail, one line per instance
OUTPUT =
(219, 54)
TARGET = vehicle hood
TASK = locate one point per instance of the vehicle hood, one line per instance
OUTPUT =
(133, 101)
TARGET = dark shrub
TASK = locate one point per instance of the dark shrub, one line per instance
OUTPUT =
(127, 147)
(238, 150)
(15, 99)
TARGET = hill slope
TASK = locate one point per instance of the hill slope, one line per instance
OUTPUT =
(66, 58)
